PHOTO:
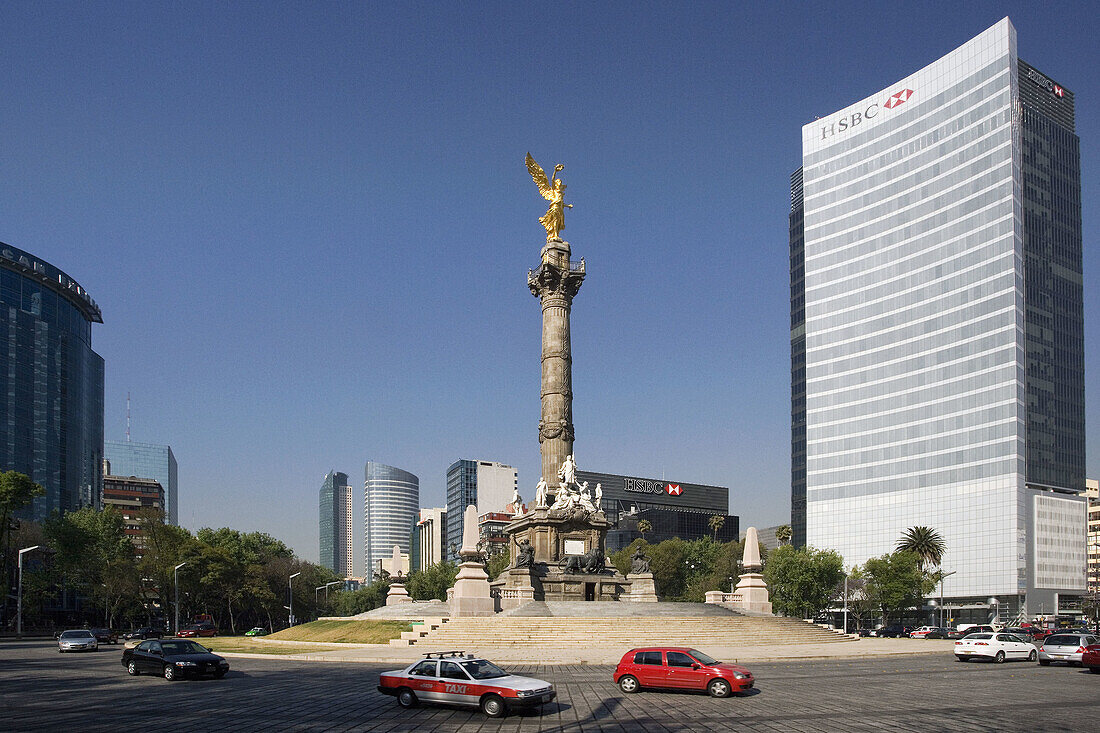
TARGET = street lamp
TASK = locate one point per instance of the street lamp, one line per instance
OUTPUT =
(290, 608)
(19, 598)
(942, 576)
(335, 582)
(176, 576)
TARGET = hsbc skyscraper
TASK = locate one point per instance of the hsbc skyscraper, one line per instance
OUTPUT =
(937, 339)
(673, 508)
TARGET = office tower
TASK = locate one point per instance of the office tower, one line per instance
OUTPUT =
(130, 496)
(431, 544)
(148, 460)
(391, 505)
(335, 524)
(937, 327)
(485, 484)
(51, 384)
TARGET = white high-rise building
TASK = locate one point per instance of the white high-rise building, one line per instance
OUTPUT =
(937, 347)
(391, 508)
(488, 485)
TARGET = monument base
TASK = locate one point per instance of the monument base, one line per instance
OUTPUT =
(471, 592)
(515, 587)
(643, 589)
(753, 593)
(397, 594)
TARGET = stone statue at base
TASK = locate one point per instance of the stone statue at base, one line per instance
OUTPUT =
(525, 555)
(540, 494)
(639, 563)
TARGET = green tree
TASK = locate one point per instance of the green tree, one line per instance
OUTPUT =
(432, 582)
(926, 543)
(783, 534)
(497, 564)
(894, 582)
(368, 597)
(715, 523)
(801, 581)
(644, 525)
(95, 556)
(16, 492)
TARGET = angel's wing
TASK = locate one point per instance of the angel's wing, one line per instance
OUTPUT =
(539, 175)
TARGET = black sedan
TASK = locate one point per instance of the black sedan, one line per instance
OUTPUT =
(145, 632)
(173, 658)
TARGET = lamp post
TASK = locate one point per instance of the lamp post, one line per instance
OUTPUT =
(290, 607)
(327, 585)
(942, 576)
(19, 596)
(845, 603)
(176, 576)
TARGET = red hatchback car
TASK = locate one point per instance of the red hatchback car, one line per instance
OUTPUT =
(1091, 658)
(680, 668)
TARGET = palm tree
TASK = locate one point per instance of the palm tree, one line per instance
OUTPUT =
(643, 527)
(783, 534)
(716, 523)
(924, 541)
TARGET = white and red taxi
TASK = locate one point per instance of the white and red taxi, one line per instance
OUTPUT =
(458, 678)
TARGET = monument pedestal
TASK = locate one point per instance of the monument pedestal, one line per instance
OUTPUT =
(643, 589)
(397, 594)
(753, 593)
(471, 592)
(515, 587)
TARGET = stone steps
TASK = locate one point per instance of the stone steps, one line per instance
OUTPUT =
(629, 631)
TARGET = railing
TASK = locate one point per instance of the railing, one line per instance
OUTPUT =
(714, 596)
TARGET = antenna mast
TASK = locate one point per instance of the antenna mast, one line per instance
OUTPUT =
(127, 417)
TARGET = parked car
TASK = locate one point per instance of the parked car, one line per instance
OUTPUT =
(893, 631)
(173, 658)
(682, 668)
(256, 631)
(463, 679)
(77, 640)
(866, 632)
(998, 647)
(1091, 658)
(145, 632)
(1068, 648)
(205, 629)
(105, 636)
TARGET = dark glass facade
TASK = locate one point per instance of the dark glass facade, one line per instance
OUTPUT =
(334, 529)
(51, 384)
(673, 508)
(1053, 279)
(798, 364)
(148, 460)
(461, 493)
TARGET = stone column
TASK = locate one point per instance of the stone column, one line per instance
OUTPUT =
(555, 282)
(471, 590)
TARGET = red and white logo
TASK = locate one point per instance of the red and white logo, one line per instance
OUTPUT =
(1058, 91)
(898, 98)
(674, 489)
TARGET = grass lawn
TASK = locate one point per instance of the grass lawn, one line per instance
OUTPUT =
(357, 632)
(246, 645)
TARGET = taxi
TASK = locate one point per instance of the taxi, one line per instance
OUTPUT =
(458, 678)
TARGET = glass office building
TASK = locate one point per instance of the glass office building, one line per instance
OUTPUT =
(148, 460)
(391, 506)
(488, 485)
(335, 517)
(51, 384)
(936, 335)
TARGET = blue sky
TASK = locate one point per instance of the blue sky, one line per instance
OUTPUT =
(309, 225)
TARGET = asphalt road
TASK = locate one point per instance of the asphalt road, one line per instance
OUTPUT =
(43, 690)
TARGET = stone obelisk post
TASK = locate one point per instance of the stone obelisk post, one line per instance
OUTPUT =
(554, 282)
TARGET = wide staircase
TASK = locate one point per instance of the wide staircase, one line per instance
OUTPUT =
(640, 629)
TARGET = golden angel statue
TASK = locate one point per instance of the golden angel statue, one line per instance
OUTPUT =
(554, 192)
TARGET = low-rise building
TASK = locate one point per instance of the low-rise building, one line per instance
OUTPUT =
(132, 496)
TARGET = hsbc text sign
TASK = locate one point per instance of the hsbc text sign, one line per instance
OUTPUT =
(648, 486)
(870, 112)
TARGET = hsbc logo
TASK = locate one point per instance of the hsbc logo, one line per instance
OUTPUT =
(1058, 91)
(857, 118)
(649, 486)
(673, 490)
(899, 98)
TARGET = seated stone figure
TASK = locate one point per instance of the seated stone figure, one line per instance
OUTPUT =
(525, 558)
(639, 563)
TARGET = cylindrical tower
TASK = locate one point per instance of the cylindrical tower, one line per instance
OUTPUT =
(554, 283)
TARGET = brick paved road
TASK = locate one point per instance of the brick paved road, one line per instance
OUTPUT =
(43, 690)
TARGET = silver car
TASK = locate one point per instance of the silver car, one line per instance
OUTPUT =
(77, 640)
(1065, 648)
